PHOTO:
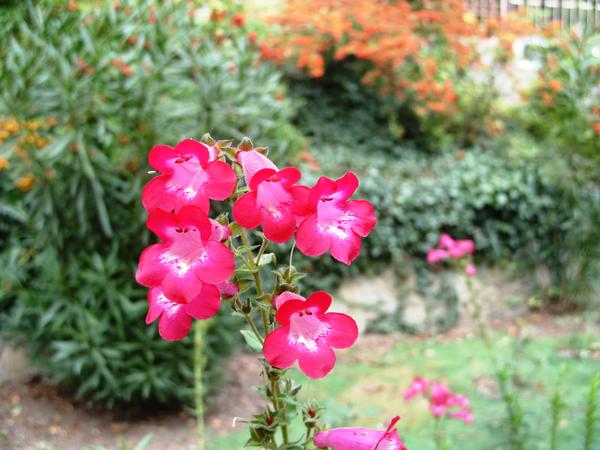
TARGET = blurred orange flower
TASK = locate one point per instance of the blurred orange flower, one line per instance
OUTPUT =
(26, 183)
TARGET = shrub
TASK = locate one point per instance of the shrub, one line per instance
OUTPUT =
(513, 210)
(421, 57)
(562, 107)
(84, 94)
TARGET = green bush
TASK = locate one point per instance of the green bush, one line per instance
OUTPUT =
(84, 94)
(562, 109)
(515, 212)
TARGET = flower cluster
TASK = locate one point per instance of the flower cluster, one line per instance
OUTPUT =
(190, 269)
(442, 401)
(455, 249)
(394, 37)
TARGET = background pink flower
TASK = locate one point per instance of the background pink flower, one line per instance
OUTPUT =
(436, 254)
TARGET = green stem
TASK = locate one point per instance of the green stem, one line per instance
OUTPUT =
(275, 386)
(438, 433)
(254, 328)
(512, 407)
(200, 327)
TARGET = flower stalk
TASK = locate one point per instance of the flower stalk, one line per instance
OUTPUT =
(200, 328)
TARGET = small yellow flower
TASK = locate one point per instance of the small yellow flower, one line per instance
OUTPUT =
(26, 183)
(4, 164)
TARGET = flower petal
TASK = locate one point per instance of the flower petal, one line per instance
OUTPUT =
(317, 363)
(161, 157)
(343, 330)
(174, 324)
(181, 287)
(287, 309)
(221, 180)
(206, 304)
(346, 248)
(284, 297)
(195, 148)
(319, 299)
(194, 217)
(150, 270)
(161, 223)
(246, 212)
(154, 195)
(252, 162)
(364, 216)
(154, 306)
(278, 228)
(310, 239)
(277, 350)
(346, 186)
(217, 265)
(289, 175)
(323, 188)
(300, 207)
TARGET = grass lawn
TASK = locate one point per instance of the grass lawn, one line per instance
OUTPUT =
(367, 384)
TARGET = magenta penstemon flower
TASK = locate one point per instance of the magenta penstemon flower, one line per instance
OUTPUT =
(190, 270)
(187, 263)
(455, 249)
(175, 319)
(361, 438)
(333, 222)
(418, 386)
(190, 174)
(274, 201)
(307, 334)
(442, 401)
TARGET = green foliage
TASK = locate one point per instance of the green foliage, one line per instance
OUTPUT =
(562, 107)
(591, 415)
(91, 91)
(514, 211)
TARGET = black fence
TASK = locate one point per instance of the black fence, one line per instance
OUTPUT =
(570, 13)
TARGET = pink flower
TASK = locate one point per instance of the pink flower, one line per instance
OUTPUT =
(461, 248)
(442, 401)
(418, 386)
(464, 415)
(439, 398)
(273, 201)
(175, 319)
(361, 438)
(470, 270)
(446, 241)
(190, 174)
(187, 259)
(435, 254)
(307, 334)
(333, 222)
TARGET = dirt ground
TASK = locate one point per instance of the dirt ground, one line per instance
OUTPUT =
(35, 415)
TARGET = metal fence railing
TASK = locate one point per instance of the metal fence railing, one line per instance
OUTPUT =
(570, 13)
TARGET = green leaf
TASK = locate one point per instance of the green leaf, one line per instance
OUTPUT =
(252, 341)
(266, 259)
